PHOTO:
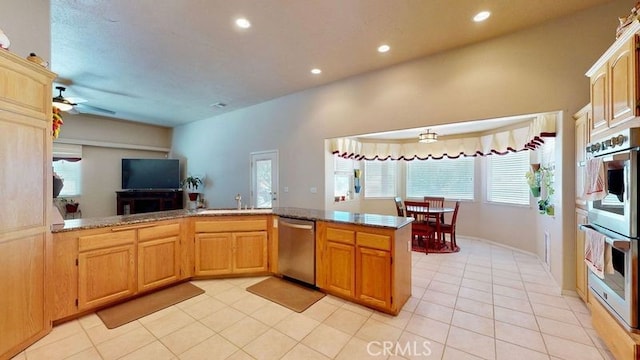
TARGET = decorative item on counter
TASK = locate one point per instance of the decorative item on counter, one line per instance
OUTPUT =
(356, 181)
(57, 122)
(37, 59)
(4, 40)
(70, 205)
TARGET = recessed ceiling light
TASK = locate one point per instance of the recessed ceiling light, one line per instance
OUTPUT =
(383, 48)
(243, 23)
(481, 16)
(316, 71)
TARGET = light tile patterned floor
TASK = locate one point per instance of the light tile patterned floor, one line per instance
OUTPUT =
(485, 302)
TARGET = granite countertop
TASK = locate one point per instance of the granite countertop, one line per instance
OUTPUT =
(373, 220)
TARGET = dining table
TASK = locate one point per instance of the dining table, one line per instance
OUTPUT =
(421, 211)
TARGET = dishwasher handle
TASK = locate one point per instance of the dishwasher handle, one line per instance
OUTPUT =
(296, 226)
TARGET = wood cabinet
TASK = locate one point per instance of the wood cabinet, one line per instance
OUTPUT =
(106, 268)
(582, 126)
(230, 245)
(144, 201)
(582, 286)
(613, 82)
(621, 343)
(96, 267)
(158, 255)
(26, 183)
(371, 266)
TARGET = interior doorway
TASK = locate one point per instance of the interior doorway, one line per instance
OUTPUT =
(264, 179)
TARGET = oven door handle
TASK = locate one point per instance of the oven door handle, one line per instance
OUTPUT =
(622, 245)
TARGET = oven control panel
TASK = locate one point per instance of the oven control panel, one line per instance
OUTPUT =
(626, 139)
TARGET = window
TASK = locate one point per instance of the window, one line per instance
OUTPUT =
(67, 165)
(342, 177)
(380, 178)
(506, 182)
(451, 178)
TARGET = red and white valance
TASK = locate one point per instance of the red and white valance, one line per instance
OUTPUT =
(528, 137)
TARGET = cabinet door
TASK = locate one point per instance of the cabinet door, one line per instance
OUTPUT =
(158, 263)
(213, 254)
(340, 268)
(582, 139)
(599, 101)
(373, 276)
(106, 275)
(622, 73)
(250, 252)
(582, 287)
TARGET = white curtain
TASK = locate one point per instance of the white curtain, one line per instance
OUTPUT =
(501, 142)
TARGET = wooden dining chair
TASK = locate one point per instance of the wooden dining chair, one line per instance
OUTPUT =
(450, 228)
(400, 206)
(435, 202)
(421, 229)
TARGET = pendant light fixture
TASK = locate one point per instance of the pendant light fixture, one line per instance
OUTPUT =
(428, 137)
(60, 102)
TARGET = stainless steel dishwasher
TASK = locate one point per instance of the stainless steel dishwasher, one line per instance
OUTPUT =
(297, 249)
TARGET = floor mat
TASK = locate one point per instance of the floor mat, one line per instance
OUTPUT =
(286, 293)
(135, 309)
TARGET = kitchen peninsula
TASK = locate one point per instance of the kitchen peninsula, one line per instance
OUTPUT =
(364, 258)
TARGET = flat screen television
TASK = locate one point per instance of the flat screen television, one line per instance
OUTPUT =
(150, 174)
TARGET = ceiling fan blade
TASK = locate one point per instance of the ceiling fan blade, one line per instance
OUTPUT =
(73, 111)
(95, 108)
(77, 100)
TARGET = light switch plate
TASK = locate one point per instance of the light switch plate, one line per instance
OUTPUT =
(313, 190)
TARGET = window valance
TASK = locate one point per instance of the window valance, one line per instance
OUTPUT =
(500, 142)
(67, 152)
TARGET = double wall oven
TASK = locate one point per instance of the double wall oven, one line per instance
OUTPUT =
(616, 217)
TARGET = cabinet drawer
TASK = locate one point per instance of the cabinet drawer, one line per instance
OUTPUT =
(339, 235)
(158, 232)
(374, 241)
(99, 241)
(230, 225)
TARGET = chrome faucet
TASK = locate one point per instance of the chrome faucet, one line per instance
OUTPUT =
(239, 200)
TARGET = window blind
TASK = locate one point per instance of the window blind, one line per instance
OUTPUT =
(506, 182)
(380, 178)
(451, 178)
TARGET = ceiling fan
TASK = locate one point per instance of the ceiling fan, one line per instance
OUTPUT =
(71, 105)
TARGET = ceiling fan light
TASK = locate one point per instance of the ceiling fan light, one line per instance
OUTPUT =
(63, 106)
(428, 137)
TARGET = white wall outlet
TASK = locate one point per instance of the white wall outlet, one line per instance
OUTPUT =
(286, 189)
(313, 190)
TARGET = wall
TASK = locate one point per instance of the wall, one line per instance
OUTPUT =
(105, 142)
(537, 70)
(28, 27)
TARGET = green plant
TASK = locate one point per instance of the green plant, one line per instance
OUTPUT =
(192, 182)
(534, 178)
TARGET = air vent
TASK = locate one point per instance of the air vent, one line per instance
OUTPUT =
(218, 105)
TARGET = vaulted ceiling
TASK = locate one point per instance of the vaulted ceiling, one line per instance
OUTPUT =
(169, 62)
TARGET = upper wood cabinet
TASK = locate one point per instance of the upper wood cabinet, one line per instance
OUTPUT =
(26, 183)
(614, 83)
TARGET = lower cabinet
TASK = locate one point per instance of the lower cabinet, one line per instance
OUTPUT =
(94, 268)
(582, 287)
(366, 265)
(106, 268)
(228, 245)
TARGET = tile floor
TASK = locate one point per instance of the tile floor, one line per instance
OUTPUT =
(485, 302)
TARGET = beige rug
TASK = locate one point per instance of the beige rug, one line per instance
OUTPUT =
(286, 293)
(135, 309)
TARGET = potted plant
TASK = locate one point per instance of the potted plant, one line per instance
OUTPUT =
(192, 183)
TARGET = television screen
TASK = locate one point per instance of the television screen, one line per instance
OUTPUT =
(139, 174)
